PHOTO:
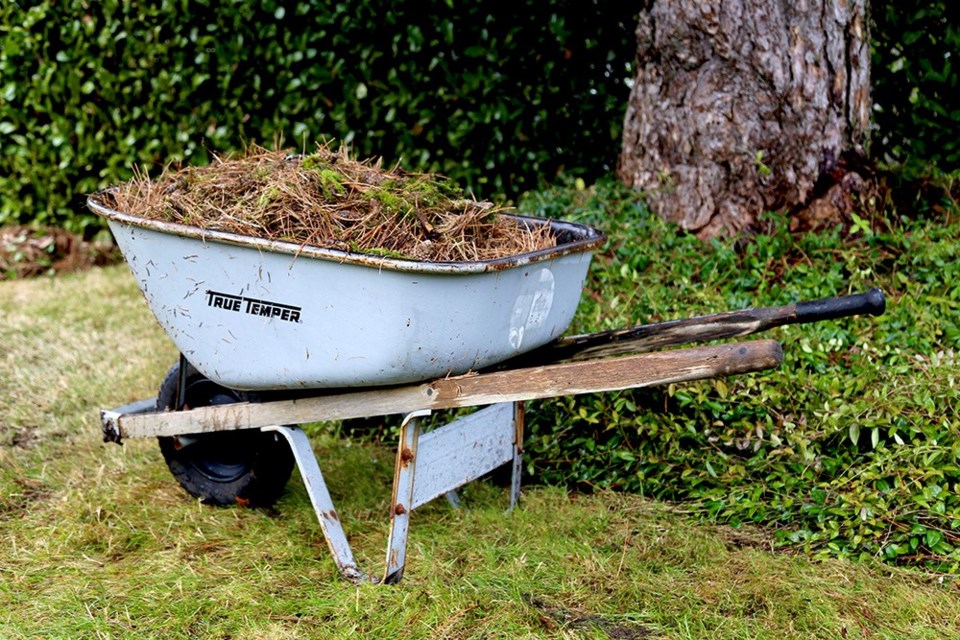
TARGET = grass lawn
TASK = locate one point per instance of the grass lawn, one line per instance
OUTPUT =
(99, 541)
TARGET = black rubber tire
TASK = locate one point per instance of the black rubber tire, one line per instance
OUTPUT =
(246, 467)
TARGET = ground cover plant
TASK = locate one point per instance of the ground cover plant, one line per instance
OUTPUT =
(100, 541)
(850, 449)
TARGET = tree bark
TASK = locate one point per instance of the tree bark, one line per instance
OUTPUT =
(742, 106)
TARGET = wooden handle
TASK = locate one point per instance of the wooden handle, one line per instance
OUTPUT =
(550, 381)
(611, 374)
(716, 326)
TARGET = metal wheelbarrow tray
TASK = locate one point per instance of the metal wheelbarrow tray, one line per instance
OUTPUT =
(256, 314)
(325, 335)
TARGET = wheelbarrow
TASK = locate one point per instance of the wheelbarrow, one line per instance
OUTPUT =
(273, 335)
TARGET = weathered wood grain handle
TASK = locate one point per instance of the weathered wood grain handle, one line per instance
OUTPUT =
(596, 376)
(716, 326)
(549, 381)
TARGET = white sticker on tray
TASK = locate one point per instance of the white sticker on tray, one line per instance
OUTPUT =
(532, 307)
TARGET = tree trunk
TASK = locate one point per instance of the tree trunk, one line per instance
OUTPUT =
(744, 106)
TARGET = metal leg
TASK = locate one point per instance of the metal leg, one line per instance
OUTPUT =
(322, 502)
(453, 499)
(182, 383)
(518, 424)
(402, 503)
(450, 457)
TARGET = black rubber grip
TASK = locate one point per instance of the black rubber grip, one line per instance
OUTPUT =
(870, 303)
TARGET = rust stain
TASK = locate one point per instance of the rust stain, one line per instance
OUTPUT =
(399, 509)
(177, 443)
(406, 455)
(331, 515)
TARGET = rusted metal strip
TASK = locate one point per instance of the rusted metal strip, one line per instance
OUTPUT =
(519, 425)
(402, 502)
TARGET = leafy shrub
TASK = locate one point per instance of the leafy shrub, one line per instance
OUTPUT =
(849, 449)
(915, 84)
(495, 96)
(499, 97)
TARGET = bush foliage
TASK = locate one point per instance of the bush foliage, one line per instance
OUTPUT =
(850, 448)
(497, 97)
(500, 98)
(915, 85)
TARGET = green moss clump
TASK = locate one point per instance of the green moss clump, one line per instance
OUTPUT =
(390, 197)
(331, 180)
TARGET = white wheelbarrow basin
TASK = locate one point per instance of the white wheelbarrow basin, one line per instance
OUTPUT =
(253, 314)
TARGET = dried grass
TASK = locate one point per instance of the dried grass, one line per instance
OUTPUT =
(328, 199)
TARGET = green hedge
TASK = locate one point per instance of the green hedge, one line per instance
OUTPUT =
(501, 98)
(850, 448)
(915, 84)
(497, 96)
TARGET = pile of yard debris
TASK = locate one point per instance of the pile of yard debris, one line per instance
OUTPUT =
(328, 199)
(33, 251)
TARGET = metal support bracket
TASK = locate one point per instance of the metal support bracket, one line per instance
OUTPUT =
(428, 466)
(110, 418)
(322, 502)
(438, 462)
(401, 504)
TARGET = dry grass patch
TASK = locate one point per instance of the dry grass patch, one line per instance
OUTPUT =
(99, 541)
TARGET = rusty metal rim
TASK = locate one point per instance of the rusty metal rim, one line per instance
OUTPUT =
(587, 239)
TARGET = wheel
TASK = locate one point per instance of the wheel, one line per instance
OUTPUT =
(247, 467)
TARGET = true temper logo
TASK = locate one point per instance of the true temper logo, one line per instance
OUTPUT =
(253, 306)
